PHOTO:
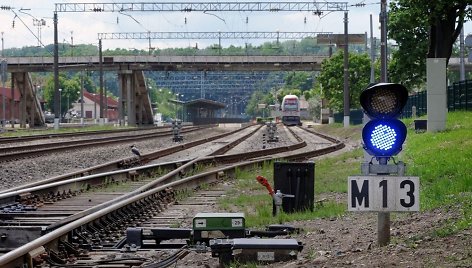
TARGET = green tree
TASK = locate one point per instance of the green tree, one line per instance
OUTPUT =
(423, 29)
(299, 80)
(87, 81)
(70, 92)
(257, 97)
(331, 78)
(161, 97)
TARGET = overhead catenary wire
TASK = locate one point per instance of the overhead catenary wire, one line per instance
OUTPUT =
(37, 38)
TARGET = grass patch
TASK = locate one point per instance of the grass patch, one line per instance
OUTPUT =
(258, 209)
(251, 198)
(442, 161)
(354, 132)
(331, 173)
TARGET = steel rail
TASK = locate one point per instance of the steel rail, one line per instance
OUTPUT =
(126, 162)
(33, 137)
(15, 257)
(18, 151)
(65, 184)
(12, 258)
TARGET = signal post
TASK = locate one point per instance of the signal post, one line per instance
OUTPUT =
(383, 187)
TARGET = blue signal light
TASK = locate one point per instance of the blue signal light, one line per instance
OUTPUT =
(384, 137)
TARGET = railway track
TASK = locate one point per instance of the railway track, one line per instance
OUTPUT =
(32, 150)
(140, 194)
(52, 136)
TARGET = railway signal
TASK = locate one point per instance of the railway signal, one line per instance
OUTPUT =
(384, 134)
(383, 187)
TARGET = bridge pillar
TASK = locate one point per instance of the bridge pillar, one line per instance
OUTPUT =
(127, 98)
(29, 108)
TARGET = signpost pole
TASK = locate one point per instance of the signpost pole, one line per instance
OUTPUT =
(4, 78)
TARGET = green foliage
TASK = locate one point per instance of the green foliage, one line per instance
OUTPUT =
(69, 94)
(258, 97)
(302, 81)
(306, 46)
(408, 27)
(248, 196)
(332, 79)
(329, 179)
(442, 160)
(161, 97)
(423, 29)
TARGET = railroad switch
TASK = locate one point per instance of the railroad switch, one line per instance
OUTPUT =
(265, 250)
(277, 196)
(222, 234)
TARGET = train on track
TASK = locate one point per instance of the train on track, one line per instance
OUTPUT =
(290, 110)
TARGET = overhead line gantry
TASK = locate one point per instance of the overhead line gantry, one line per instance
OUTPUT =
(312, 6)
(209, 35)
(316, 7)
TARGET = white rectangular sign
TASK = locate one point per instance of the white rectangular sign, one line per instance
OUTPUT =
(383, 193)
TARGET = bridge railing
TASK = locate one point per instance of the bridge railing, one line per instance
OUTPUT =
(152, 58)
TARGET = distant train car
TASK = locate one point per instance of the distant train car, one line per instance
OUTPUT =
(290, 110)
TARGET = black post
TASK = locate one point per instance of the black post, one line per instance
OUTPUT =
(56, 71)
(383, 218)
(383, 41)
(346, 73)
(101, 76)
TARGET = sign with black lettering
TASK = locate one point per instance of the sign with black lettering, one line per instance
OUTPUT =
(383, 193)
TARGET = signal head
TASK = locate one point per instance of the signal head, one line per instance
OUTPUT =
(384, 137)
(384, 100)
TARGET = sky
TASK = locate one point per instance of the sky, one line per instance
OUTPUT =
(83, 28)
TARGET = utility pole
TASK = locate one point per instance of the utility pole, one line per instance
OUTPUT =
(383, 218)
(101, 77)
(82, 98)
(372, 52)
(71, 43)
(462, 66)
(346, 73)
(383, 41)
(2, 45)
(56, 76)
(4, 78)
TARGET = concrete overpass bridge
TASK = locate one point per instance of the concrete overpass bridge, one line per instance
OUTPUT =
(169, 63)
(134, 98)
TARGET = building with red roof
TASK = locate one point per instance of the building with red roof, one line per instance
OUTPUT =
(92, 106)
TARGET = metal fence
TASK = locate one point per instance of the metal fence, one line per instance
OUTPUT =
(459, 97)
(419, 101)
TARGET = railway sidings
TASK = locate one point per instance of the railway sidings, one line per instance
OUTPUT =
(82, 217)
